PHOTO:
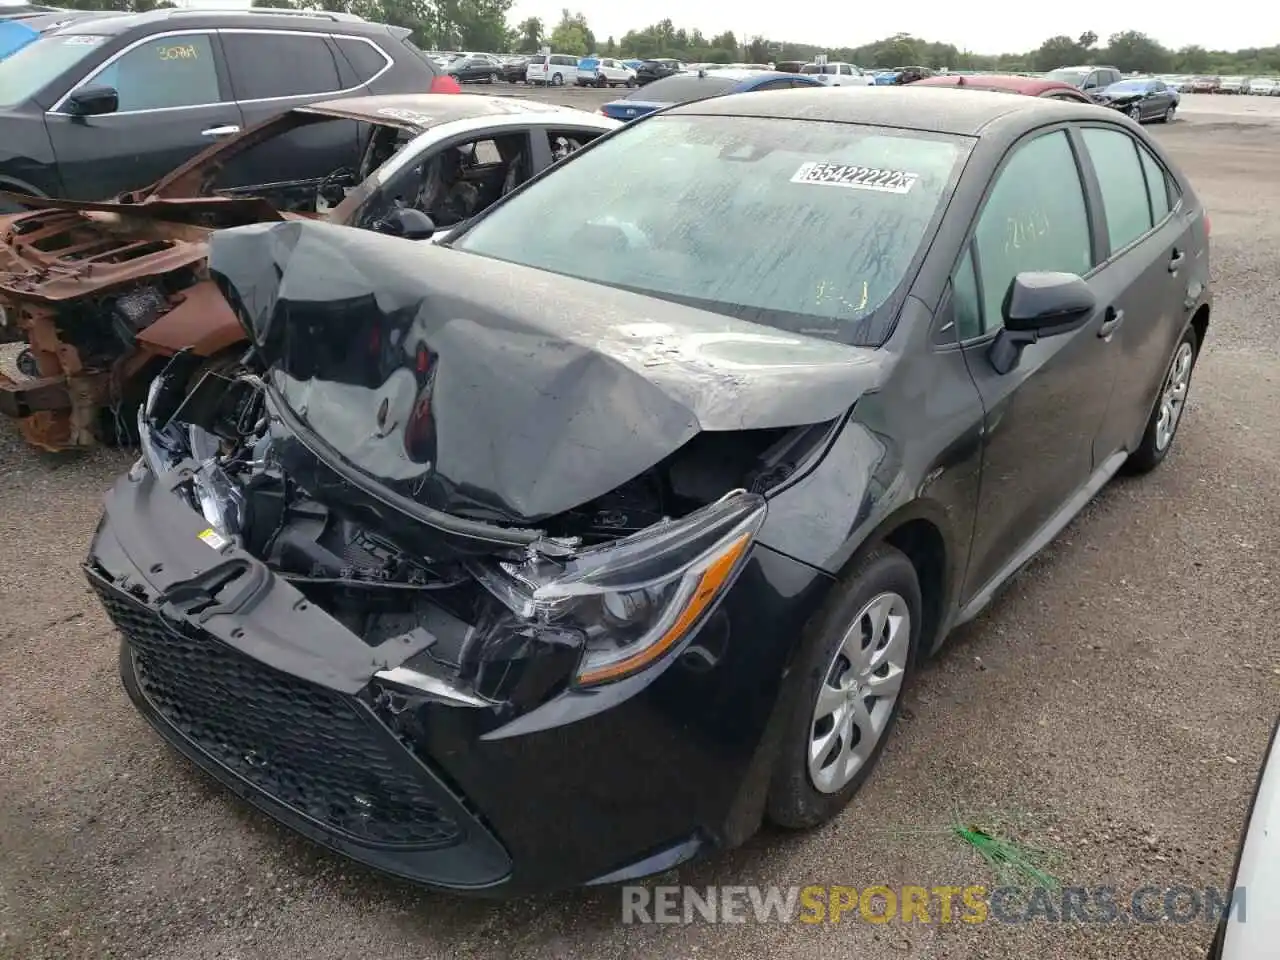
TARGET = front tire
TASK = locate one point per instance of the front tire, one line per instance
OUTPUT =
(1135, 113)
(557, 80)
(852, 665)
(1162, 427)
(494, 77)
(1168, 114)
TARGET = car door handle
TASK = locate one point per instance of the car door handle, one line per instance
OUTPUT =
(1176, 261)
(1112, 320)
(228, 130)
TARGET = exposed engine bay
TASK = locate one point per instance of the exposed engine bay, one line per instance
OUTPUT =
(240, 467)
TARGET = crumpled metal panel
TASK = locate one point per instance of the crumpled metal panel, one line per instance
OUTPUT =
(499, 392)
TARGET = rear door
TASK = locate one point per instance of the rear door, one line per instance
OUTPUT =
(272, 71)
(174, 101)
(1147, 236)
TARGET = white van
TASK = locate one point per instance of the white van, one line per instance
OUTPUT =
(555, 70)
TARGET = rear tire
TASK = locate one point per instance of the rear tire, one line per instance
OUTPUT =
(1162, 426)
(821, 764)
(557, 80)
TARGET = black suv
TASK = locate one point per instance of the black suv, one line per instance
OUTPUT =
(104, 106)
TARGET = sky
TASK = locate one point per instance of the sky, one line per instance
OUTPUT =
(996, 26)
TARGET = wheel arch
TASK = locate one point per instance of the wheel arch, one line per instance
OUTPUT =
(919, 530)
(1200, 324)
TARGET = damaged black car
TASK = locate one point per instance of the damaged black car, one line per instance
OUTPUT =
(611, 526)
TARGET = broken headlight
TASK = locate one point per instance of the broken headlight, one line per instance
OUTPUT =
(635, 599)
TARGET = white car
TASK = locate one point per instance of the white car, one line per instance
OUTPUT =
(553, 71)
(839, 74)
(1264, 87)
(605, 72)
(1233, 85)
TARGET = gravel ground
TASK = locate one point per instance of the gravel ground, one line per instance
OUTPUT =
(1116, 699)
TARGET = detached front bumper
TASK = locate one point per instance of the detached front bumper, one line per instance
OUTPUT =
(278, 701)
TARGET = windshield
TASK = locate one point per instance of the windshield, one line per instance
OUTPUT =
(681, 88)
(1073, 77)
(38, 64)
(1129, 86)
(802, 225)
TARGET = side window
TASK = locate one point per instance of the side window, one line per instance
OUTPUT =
(366, 61)
(966, 311)
(170, 72)
(1034, 219)
(266, 65)
(1124, 189)
(845, 71)
(1157, 185)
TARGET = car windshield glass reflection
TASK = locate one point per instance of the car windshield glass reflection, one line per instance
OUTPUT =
(800, 225)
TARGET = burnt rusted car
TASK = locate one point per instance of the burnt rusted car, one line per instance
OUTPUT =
(99, 295)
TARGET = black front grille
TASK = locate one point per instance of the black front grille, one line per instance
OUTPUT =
(310, 748)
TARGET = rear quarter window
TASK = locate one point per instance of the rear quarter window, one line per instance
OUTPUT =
(366, 60)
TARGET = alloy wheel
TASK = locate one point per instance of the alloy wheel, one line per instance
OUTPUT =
(858, 692)
(1174, 397)
(1168, 115)
(1135, 112)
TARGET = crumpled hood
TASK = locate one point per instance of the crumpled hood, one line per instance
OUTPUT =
(499, 392)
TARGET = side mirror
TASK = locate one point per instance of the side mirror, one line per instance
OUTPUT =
(1039, 305)
(1047, 303)
(409, 223)
(93, 101)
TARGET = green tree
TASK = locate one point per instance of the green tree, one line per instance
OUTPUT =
(1131, 50)
(1193, 59)
(1059, 51)
(531, 35)
(900, 50)
(572, 35)
(725, 41)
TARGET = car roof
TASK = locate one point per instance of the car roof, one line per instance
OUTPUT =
(422, 111)
(1007, 82)
(172, 17)
(950, 111)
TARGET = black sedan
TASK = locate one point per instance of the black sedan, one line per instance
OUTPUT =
(475, 68)
(651, 70)
(515, 69)
(1142, 99)
(502, 592)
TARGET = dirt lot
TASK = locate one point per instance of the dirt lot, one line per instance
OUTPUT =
(1117, 699)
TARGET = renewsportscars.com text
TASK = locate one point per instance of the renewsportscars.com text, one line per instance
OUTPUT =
(969, 904)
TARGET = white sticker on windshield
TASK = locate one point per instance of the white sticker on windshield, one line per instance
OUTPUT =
(82, 40)
(828, 174)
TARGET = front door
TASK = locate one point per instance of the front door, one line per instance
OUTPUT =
(173, 103)
(1041, 416)
(1144, 276)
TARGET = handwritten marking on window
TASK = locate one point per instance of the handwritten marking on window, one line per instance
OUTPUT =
(184, 51)
(1025, 230)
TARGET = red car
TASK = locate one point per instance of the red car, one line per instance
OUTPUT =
(1007, 83)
